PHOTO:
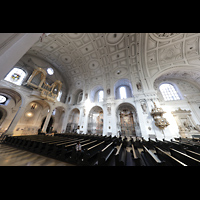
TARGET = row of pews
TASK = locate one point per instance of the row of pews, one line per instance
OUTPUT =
(110, 151)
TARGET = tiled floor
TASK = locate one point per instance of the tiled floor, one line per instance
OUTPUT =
(11, 156)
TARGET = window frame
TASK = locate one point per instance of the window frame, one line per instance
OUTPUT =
(120, 92)
(101, 97)
(21, 79)
(172, 94)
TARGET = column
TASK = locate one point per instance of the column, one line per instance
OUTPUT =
(16, 118)
(142, 121)
(47, 121)
(13, 47)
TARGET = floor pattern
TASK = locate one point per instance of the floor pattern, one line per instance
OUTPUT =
(11, 156)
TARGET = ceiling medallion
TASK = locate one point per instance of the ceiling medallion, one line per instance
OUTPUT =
(94, 64)
(165, 35)
(66, 59)
(114, 38)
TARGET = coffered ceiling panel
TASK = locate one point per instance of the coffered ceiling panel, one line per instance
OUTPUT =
(87, 57)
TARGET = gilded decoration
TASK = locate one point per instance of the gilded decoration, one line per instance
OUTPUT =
(157, 114)
(37, 80)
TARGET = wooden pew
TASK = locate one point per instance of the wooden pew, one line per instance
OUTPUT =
(45, 142)
(105, 153)
(190, 146)
(72, 157)
(150, 158)
(120, 156)
(178, 146)
(193, 154)
(163, 145)
(7, 139)
(167, 159)
(52, 147)
(184, 157)
(65, 148)
(135, 157)
(89, 153)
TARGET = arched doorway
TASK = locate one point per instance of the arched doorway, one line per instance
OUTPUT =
(49, 127)
(73, 120)
(127, 120)
(95, 121)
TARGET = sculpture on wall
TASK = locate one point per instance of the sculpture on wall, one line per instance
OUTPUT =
(139, 86)
(109, 110)
(157, 114)
(185, 122)
(143, 105)
(37, 80)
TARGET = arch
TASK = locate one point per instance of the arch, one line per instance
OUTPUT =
(17, 103)
(75, 97)
(59, 116)
(193, 68)
(127, 120)
(94, 91)
(32, 117)
(73, 120)
(9, 93)
(49, 126)
(95, 120)
(125, 104)
(128, 86)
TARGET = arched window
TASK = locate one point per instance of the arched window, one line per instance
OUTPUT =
(100, 96)
(122, 92)
(123, 89)
(169, 92)
(16, 76)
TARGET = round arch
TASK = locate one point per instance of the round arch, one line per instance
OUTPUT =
(189, 68)
(73, 120)
(127, 120)
(127, 84)
(94, 91)
(15, 100)
(96, 120)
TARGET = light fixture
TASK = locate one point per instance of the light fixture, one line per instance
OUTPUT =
(29, 114)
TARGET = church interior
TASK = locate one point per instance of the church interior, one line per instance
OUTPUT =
(130, 99)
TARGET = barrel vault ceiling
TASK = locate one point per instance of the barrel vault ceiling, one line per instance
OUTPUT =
(89, 56)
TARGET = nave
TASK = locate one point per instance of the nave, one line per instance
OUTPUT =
(98, 151)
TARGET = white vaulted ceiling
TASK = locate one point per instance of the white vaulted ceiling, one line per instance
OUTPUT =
(82, 56)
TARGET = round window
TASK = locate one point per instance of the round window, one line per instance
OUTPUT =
(50, 71)
(2, 99)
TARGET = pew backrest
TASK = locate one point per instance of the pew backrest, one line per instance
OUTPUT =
(152, 156)
(169, 158)
(184, 157)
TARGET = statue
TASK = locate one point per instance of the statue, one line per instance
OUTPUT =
(144, 106)
(139, 86)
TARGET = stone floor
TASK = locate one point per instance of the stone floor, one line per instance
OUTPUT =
(11, 156)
